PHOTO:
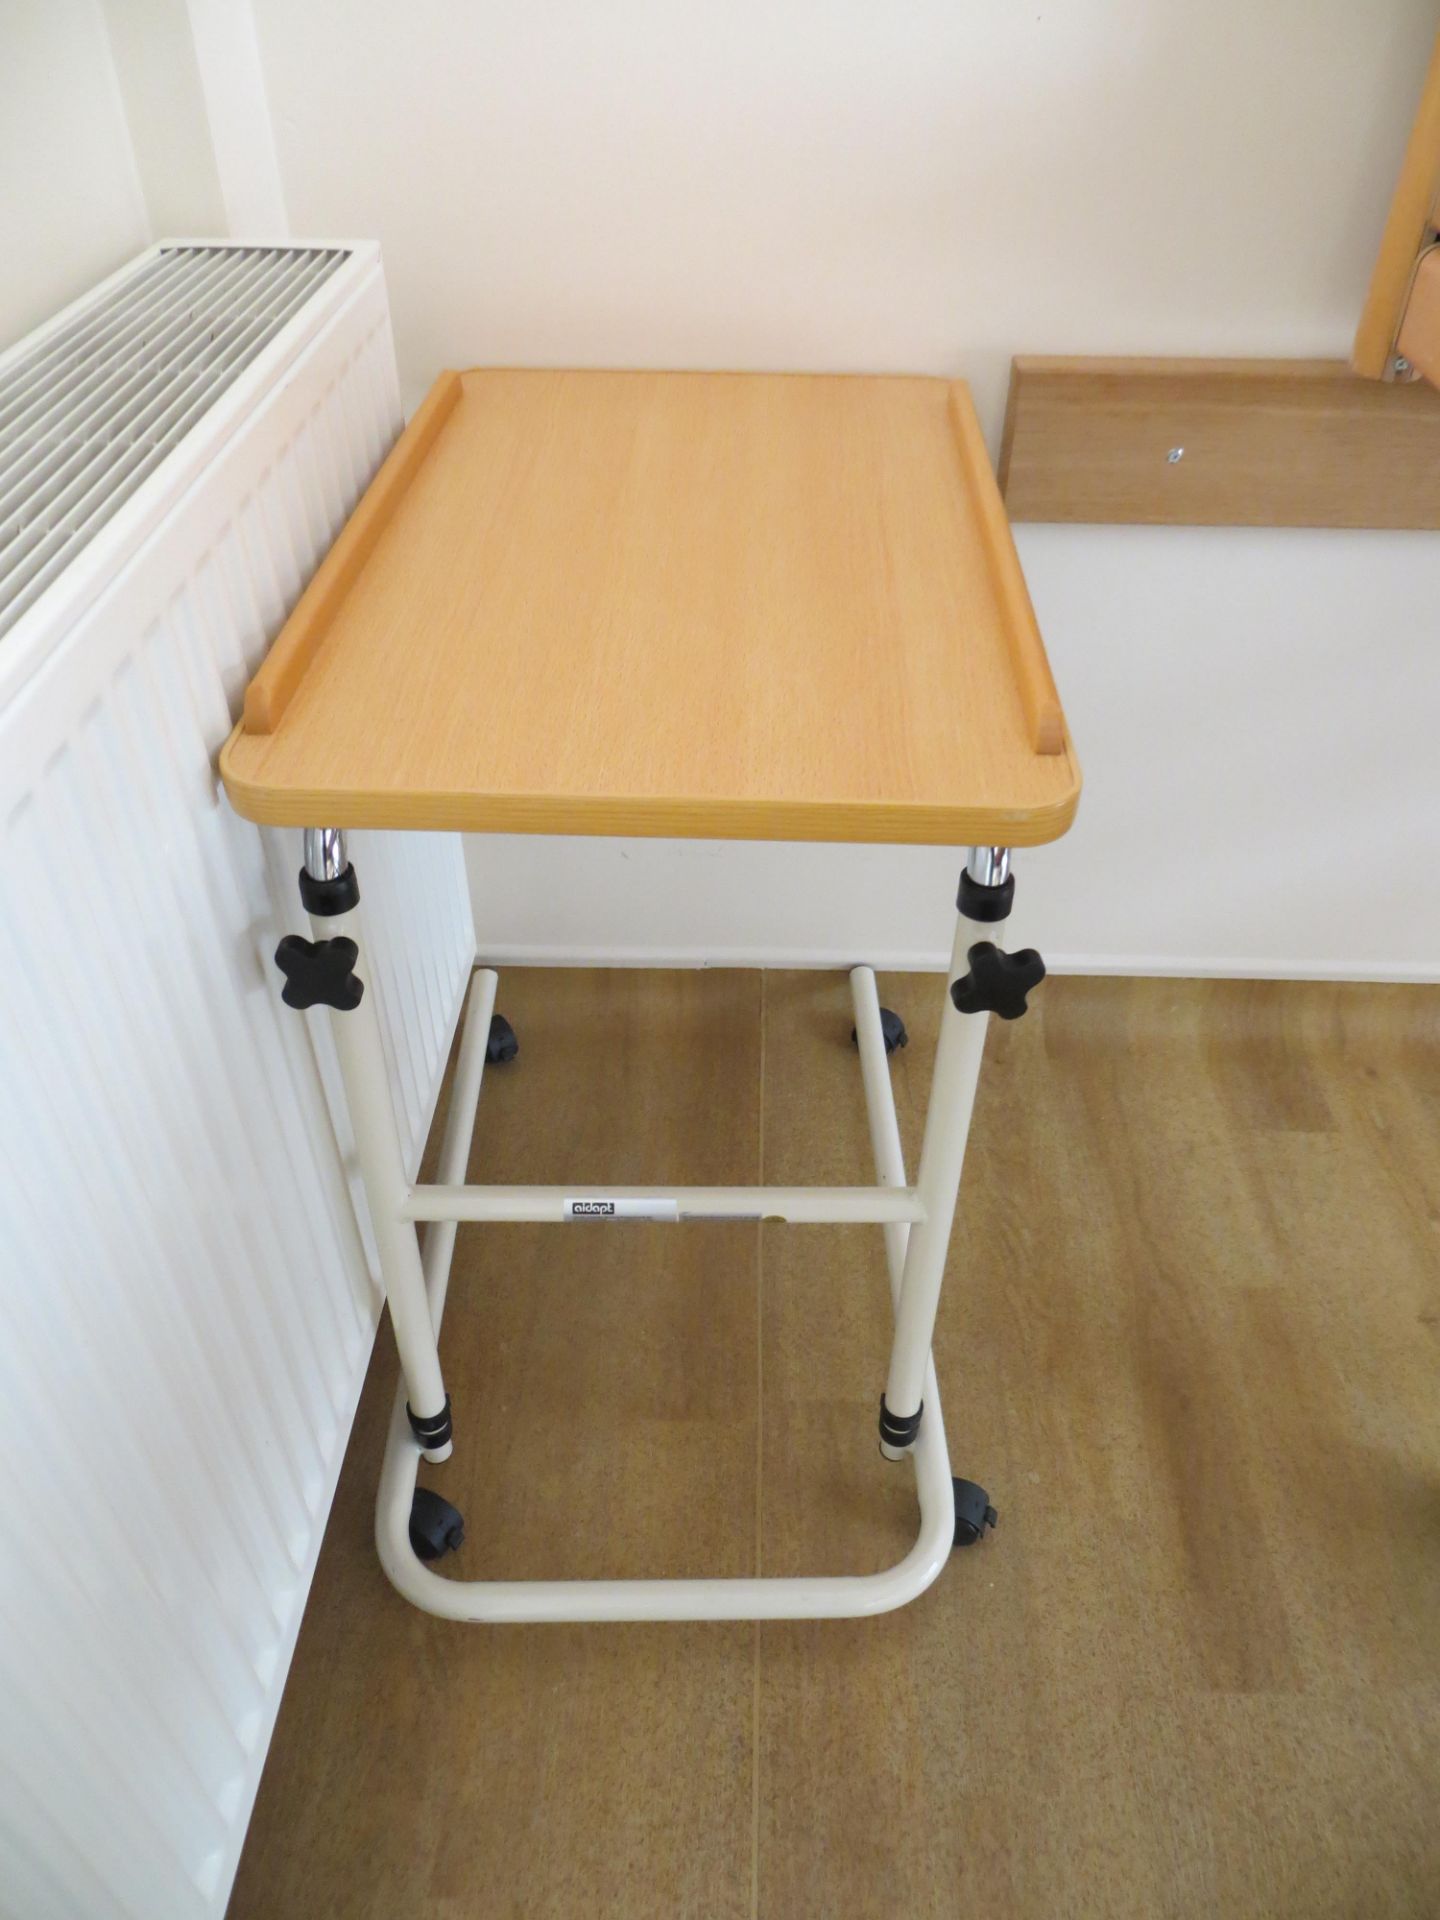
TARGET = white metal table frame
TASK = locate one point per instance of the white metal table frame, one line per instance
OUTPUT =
(916, 1221)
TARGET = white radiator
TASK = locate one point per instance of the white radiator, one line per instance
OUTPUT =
(186, 1308)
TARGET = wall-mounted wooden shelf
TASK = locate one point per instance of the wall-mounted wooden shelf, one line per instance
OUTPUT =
(1233, 443)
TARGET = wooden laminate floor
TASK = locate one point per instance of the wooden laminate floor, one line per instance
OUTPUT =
(1189, 1342)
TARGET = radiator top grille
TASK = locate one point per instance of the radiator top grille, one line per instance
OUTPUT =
(90, 414)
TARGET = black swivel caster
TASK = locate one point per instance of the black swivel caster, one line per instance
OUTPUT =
(974, 1515)
(893, 1029)
(435, 1526)
(502, 1044)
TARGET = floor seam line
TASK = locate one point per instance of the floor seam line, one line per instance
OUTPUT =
(759, 1481)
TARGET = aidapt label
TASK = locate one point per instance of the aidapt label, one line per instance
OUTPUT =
(582, 1209)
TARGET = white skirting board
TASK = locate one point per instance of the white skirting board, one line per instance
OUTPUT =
(831, 960)
(1255, 713)
(186, 1309)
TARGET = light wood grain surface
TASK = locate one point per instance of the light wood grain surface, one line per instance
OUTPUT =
(1411, 215)
(727, 605)
(1261, 443)
(1188, 1340)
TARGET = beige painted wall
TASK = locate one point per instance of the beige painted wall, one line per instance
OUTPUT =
(70, 204)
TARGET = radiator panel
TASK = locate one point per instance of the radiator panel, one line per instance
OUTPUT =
(95, 407)
(186, 1303)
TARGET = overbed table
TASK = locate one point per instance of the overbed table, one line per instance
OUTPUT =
(711, 606)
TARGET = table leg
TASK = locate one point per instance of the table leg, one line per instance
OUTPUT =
(322, 972)
(981, 980)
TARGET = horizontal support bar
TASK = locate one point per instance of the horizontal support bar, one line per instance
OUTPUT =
(872, 1206)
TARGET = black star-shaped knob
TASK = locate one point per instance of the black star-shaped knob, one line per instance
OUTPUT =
(319, 973)
(997, 982)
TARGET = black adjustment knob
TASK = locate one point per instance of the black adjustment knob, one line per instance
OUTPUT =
(319, 973)
(997, 982)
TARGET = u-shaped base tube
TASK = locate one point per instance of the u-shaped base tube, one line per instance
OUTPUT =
(790, 1597)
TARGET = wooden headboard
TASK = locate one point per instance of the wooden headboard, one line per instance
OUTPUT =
(1399, 332)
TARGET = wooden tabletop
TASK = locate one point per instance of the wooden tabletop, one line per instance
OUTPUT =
(706, 605)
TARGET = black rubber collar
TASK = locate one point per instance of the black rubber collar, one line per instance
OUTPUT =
(988, 904)
(899, 1430)
(436, 1431)
(325, 898)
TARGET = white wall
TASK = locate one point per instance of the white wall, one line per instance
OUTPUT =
(70, 204)
(935, 185)
(928, 185)
(1262, 789)
(153, 51)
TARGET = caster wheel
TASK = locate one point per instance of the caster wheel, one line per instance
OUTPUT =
(502, 1044)
(892, 1027)
(974, 1515)
(435, 1526)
